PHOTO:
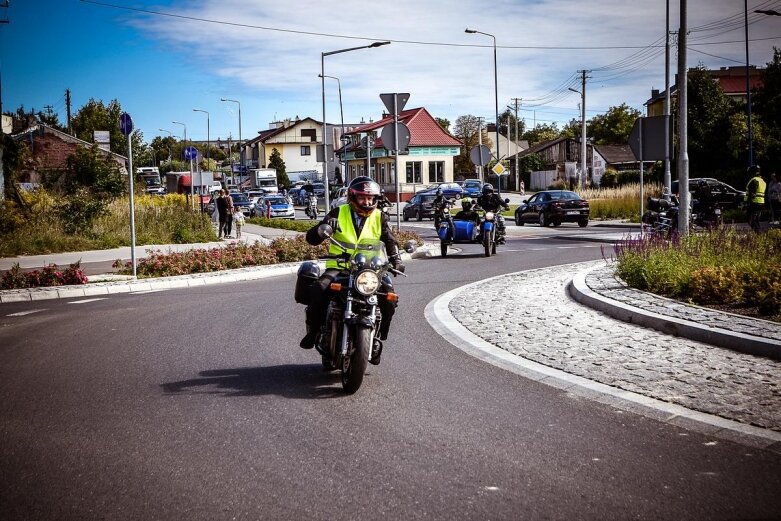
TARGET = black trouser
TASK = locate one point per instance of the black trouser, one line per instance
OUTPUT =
(223, 225)
(228, 224)
(321, 295)
(754, 211)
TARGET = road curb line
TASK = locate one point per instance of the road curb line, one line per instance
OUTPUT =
(438, 315)
(579, 290)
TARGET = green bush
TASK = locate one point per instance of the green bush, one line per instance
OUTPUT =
(714, 267)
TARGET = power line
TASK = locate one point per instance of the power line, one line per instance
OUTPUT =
(370, 38)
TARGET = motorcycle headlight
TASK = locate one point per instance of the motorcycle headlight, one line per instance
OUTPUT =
(367, 282)
(489, 216)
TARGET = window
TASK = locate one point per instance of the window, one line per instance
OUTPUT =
(414, 172)
(310, 133)
(305, 151)
(436, 171)
(382, 174)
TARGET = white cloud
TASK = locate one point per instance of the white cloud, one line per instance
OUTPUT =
(279, 69)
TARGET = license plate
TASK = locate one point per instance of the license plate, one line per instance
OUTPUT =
(573, 212)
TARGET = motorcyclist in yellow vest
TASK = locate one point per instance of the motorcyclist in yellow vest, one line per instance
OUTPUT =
(755, 196)
(359, 219)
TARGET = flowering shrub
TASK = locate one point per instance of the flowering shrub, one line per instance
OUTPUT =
(233, 256)
(50, 275)
(721, 267)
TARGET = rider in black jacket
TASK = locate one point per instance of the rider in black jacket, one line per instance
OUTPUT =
(491, 202)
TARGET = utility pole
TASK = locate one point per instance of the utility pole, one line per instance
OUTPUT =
(517, 103)
(68, 109)
(583, 171)
(683, 128)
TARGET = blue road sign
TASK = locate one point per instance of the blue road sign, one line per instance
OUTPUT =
(125, 124)
(190, 153)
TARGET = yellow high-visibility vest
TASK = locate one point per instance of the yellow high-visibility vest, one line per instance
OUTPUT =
(372, 229)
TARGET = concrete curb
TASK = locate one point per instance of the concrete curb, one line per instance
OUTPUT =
(579, 291)
(438, 315)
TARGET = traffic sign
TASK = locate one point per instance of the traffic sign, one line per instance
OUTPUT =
(190, 153)
(652, 131)
(388, 137)
(125, 124)
(480, 155)
(499, 169)
(401, 100)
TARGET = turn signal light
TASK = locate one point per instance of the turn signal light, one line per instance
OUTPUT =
(336, 286)
(393, 297)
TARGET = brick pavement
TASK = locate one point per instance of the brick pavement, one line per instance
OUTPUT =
(540, 322)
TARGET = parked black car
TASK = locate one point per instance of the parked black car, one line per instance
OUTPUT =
(419, 207)
(722, 193)
(553, 207)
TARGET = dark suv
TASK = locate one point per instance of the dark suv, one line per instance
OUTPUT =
(724, 194)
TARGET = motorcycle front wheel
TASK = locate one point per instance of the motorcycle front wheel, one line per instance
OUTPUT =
(354, 365)
(443, 248)
(488, 244)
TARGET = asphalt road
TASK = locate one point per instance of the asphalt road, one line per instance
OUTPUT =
(198, 404)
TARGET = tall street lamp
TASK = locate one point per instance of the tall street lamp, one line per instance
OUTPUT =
(208, 140)
(192, 181)
(341, 118)
(496, 96)
(241, 143)
(322, 94)
(169, 146)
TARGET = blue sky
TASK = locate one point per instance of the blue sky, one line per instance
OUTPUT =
(163, 58)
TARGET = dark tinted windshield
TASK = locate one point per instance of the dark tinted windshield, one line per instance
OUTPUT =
(239, 198)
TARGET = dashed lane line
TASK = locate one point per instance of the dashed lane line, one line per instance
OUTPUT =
(23, 313)
(87, 300)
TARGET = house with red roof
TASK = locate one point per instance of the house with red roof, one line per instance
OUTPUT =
(732, 81)
(427, 160)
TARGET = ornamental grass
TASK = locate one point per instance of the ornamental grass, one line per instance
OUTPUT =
(724, 267)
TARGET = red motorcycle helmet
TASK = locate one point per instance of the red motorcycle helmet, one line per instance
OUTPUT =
(363, 186)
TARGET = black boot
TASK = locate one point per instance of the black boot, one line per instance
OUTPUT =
(376, 352)
(308, 342)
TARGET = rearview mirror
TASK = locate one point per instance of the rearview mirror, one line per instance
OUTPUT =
(411, 246)
(325, 231)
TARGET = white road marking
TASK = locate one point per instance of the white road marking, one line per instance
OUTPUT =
(147, 291)
(87, 300)
(23, 313)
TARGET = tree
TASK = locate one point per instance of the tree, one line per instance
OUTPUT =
(510, 132)
(709, 125)
(613, 127)
(465, 130)
(542, 132)
(766, 105)
(89, 168)
(277, 163)
(444, 123)
(95, 115)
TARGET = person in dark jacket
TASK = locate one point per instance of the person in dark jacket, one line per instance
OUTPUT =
(359, 219)
(491, 202)
(222, 211)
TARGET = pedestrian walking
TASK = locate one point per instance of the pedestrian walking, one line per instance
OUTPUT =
(222, 212)
(774, 198)
(238, 220)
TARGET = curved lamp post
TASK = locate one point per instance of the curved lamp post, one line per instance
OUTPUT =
(241, 143)
(322, 93)
(341, 118)
(496, 96)
(169, 146)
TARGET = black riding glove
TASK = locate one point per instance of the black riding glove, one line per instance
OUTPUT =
(397, 264)
(333, 222)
